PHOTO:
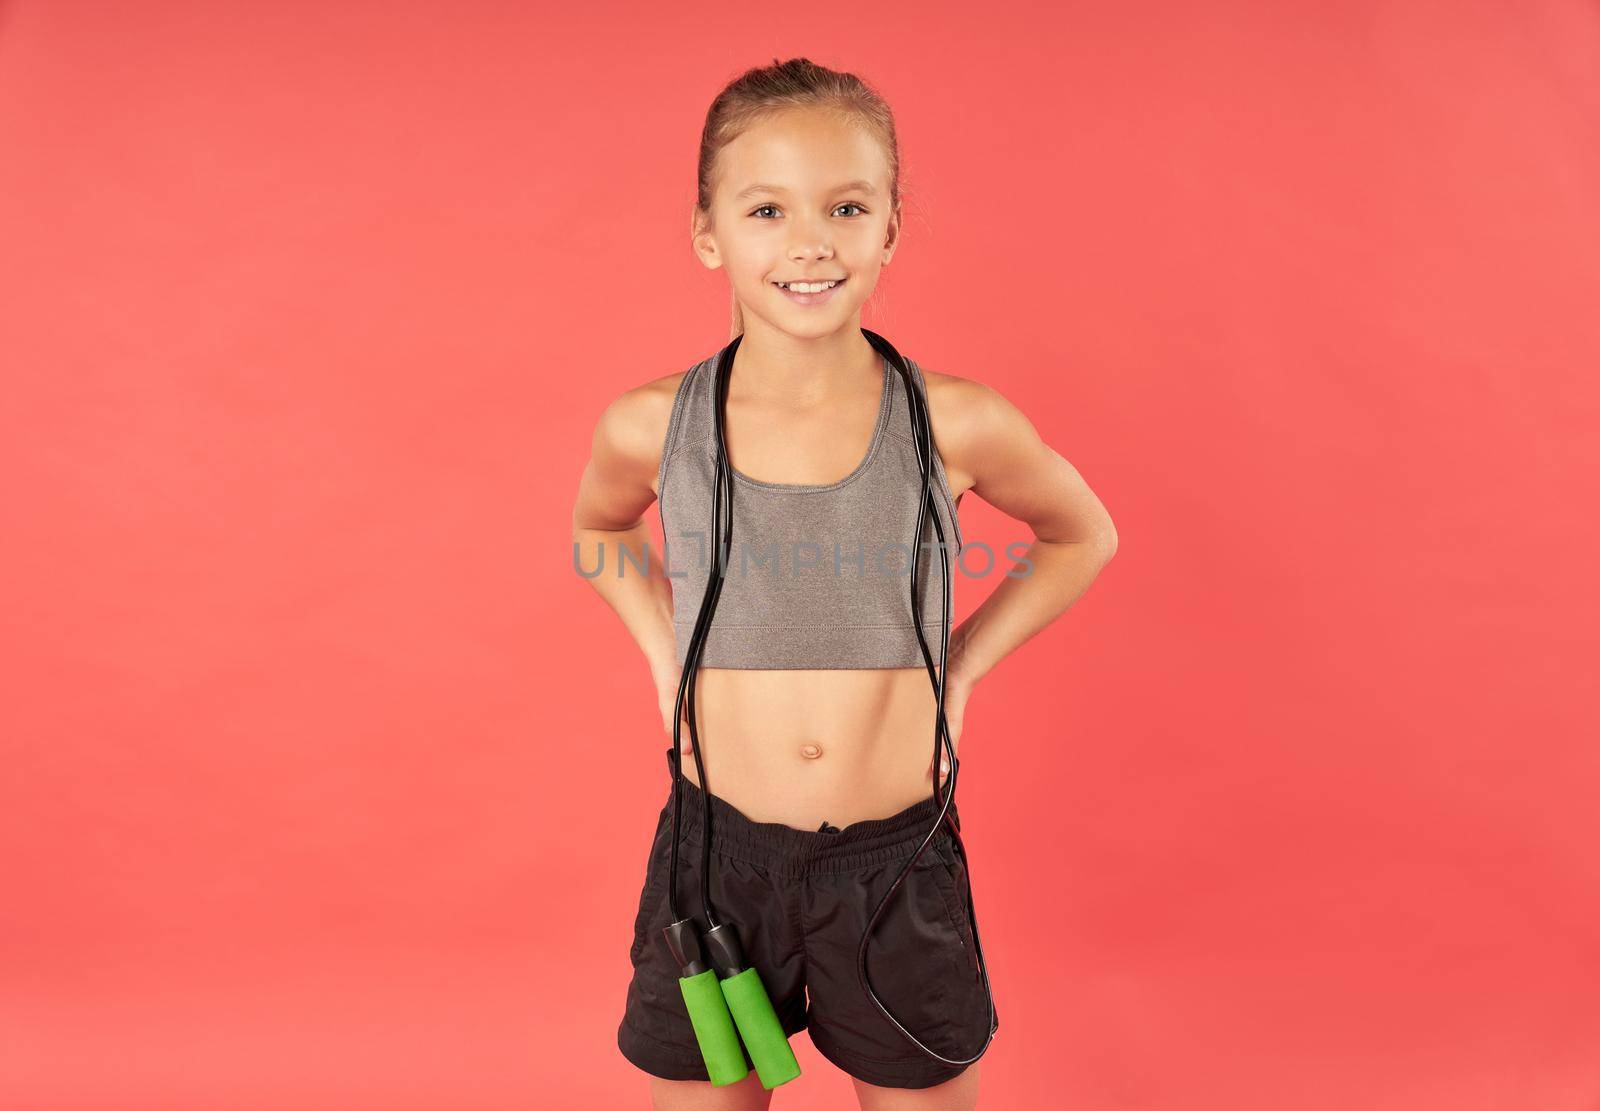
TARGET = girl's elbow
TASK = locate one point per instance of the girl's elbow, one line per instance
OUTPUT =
(1106, 541)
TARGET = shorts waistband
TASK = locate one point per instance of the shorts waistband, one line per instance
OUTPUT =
(783, 848)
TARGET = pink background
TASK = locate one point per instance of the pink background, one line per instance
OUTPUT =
(307, 312)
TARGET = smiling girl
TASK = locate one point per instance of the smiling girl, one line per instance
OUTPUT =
(812, 700)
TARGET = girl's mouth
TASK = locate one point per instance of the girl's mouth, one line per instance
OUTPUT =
(819, 298)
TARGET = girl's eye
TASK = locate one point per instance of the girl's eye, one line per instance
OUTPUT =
(846, 204)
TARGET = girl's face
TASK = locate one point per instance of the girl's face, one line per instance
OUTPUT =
(801, 196)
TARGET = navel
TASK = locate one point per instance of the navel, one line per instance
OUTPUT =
(810, 751)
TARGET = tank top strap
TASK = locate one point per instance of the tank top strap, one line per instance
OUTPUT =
(692, 413)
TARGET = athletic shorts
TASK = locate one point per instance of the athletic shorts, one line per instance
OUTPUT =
(801, 900)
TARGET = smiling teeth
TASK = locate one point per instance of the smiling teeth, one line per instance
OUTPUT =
(807, 287)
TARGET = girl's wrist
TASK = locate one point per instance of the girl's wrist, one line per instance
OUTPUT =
(664, 668)
(958, 672)
(957, 678)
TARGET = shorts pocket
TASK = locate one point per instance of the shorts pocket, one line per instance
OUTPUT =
(952, 873)
(655, 877)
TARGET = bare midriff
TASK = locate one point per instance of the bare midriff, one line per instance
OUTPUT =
(810, 746)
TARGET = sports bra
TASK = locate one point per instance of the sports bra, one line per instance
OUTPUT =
(817, 576)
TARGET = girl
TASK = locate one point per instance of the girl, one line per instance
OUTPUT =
(812, 704)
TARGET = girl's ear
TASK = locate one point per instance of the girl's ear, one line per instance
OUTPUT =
(702, 240)
(892, 239)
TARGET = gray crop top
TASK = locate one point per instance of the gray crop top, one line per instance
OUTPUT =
(817, 576)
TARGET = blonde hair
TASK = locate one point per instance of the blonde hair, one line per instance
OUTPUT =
(797, 83)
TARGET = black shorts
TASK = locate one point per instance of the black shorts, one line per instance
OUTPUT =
(801, 900)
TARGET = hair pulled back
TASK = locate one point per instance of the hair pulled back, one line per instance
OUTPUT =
(767, 90)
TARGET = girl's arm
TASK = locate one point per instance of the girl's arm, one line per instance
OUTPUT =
(988, 446)
(617, 487)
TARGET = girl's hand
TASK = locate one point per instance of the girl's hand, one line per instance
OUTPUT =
(955, 705)
(667, 679)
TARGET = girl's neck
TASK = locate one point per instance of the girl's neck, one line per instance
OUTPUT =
(772, 366)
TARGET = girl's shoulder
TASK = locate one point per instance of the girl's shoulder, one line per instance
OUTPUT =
(952, 395)
(937, 381)
(633, 427)
(967, 416)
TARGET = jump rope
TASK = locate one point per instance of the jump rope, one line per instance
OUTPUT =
(724, 995)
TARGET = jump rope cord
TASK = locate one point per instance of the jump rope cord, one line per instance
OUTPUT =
(722, 517)
(720, 537)
(922, 430)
